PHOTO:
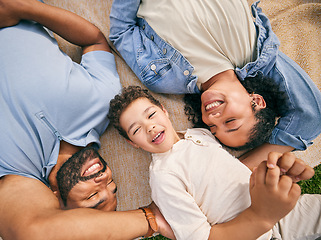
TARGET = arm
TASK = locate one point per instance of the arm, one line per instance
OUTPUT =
(254, 157)
(272, 198)
(29, 210)
(123, 21)
(66, 24)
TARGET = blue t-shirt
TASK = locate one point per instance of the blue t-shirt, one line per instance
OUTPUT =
(46, 97)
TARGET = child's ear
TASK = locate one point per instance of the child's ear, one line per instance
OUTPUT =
(165, 111)
(132, 143)
(259, 100)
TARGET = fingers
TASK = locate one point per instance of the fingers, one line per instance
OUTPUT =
(273, 158)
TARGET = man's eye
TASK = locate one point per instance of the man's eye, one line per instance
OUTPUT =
(92, 195)
(152, 114)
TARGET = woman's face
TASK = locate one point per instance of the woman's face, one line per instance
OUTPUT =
(227, 110)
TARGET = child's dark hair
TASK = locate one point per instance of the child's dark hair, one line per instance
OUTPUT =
(275, 107)
(123, 100)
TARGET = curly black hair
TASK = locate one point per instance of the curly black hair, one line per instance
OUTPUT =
(123, 100)
(266, 118)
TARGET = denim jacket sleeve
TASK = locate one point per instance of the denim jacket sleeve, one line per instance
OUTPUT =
(301, 122)
(157, 64)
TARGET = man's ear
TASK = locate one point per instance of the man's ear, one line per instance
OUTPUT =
(165, 111)
(259, 100)
(57, 194)
(132, 143)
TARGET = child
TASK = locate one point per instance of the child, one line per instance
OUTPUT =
(202, 190)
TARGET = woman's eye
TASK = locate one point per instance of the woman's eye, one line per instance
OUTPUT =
(230, 121)
(152, 114)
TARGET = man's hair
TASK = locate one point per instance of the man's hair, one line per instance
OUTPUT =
(70, 172)
(266, 118)
(121, 101)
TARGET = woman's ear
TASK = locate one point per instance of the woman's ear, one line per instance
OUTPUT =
(132, 143)
(258, 100)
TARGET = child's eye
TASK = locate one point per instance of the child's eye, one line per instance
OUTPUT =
(136, 130)
(152, 114)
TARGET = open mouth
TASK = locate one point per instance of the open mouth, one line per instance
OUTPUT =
(213, 105)
(91, 167)
(158, 138)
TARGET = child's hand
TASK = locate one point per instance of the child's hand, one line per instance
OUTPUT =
(294, 167)
(272, 196)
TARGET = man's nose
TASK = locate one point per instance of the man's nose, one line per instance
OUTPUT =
(102, 176)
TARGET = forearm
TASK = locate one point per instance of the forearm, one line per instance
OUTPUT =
(254, 157)
(66, 24)
(123, 20)
(245, 226)
(92, 224)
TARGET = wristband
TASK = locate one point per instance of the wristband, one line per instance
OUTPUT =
(151, 221)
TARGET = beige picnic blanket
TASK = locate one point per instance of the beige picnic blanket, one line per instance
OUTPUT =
(296, 23)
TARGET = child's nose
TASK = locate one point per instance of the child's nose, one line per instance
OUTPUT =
(151, 128)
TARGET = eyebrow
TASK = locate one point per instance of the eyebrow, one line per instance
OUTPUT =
(132, 125)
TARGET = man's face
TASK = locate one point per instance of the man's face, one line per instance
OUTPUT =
(148, 126)
(94, 187)
(227, 110)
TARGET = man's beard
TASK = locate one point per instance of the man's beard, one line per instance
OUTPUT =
(70, 172)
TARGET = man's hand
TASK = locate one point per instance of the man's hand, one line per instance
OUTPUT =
(11, 11)
(272, 196)
(163, 226)
(293, 167)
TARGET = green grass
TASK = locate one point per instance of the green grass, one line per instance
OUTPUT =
(311, 186)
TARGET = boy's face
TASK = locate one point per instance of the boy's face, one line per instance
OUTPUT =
(227, 110)
(148, 126)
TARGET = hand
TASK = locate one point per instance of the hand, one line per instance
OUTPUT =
(163, 226)
(294, 167)
(9, 12)
(272, 196)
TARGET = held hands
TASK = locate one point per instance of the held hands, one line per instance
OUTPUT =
(290, 165)
(272, 196)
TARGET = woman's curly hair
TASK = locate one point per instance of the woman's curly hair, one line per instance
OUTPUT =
(123, 100)
(275, 107)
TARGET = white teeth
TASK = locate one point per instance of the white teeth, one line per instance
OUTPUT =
(213, 104)
(92, 168)
(156, 136)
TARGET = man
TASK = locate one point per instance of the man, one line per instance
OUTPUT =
(51, 108)
(212, 46)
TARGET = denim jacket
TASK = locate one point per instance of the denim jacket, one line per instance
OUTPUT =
(163, 69)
